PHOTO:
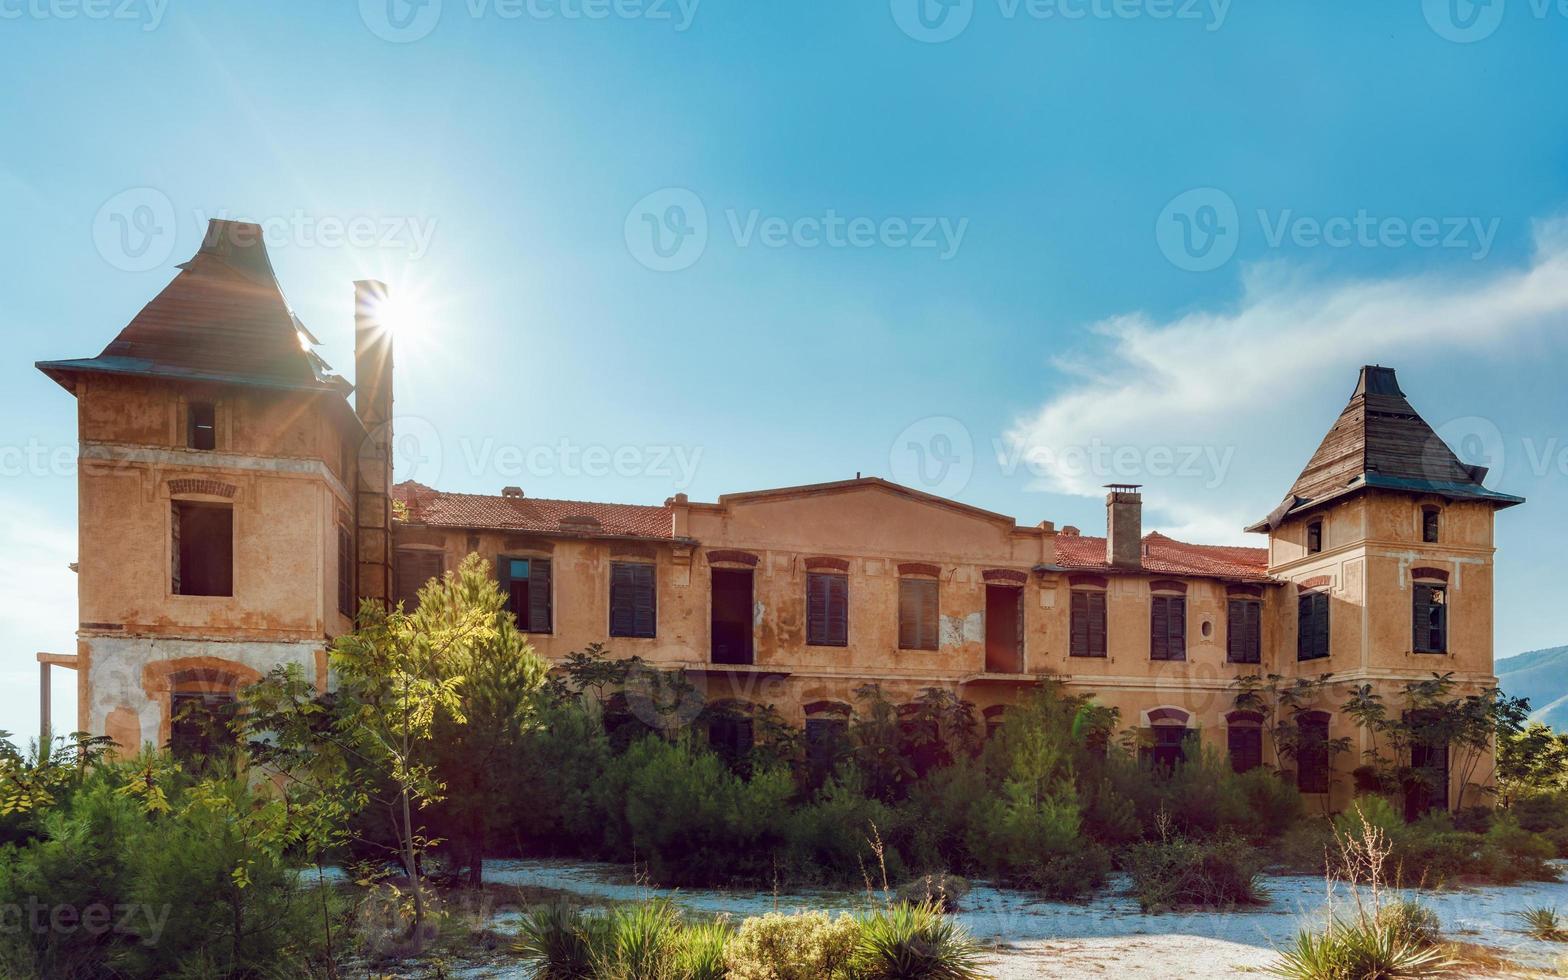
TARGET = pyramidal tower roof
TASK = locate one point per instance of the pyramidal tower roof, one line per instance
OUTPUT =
(223, 318)
(1381, 442)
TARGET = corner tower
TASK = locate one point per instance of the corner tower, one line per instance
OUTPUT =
(217, 512)
(1387, 538)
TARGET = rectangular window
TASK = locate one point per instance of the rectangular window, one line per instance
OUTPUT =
(918, 614)
(1314, 537)
(202, 548)
(1312, 626)
(826, 742)
(1246, 747)
(1429, 525)
(1168, 628)
(1088, 625)
(201, 425)
(415, 567)
(345, 571)
(1244, 632)
(1431, 619)
(526, 584)
(633, 600)
(827, 609)
(1312, 754)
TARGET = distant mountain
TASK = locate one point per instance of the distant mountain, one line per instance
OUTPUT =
(1541, 676)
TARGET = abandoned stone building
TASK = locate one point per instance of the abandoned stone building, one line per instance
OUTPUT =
(236, 502)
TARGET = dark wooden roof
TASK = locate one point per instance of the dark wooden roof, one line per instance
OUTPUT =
(1381, 442)
(223, 318)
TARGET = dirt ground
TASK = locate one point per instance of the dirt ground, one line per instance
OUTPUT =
(1130, 958)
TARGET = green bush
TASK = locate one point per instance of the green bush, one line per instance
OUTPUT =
(1411, 922)
(803, 946)
(830, 839)
(1306, 847)
(1273, 804)
(700, 951)
(915, 942)
(694, 822)
(1218, 873)
(945, 891)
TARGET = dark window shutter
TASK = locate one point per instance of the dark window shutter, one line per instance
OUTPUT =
(1159, 638)
(1088, 624)
(345, 571)
(827, 609)
(633, 601)
(414, 569)
(539, 608)
(1246, 747)
(1235, 631)
(174, 552)
(1254, 642)
(1312, 626)
(1178, 628)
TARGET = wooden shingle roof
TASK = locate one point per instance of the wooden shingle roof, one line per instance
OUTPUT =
(1381, 442)
(223, 318)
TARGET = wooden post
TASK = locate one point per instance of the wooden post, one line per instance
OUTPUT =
(43, 707)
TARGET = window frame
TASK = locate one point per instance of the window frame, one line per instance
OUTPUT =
(835, 586)
(178, 539)
(1250, 631)
(1162, 648)
(924, 633)
(1090, 614)
(618, 589)
(1305, 651)
(1314, 537)
(1254, 733)
(525, 618)
(201, 425)
(1421, 632)
(1431, 524)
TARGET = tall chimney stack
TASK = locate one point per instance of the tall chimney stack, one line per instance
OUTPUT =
(1124, 525)
(373, 405)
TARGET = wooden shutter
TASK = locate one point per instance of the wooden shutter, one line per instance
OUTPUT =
(174, 554)
(1236, 631)
(1246, 747)
(539, 607)
(633, 601)
(1159, 629)
(1253, 645)
(918, 614)
(414, 569)
(345, 571)
(827, 609)
(1312, 627)
(1177, 641)
(1078, 645)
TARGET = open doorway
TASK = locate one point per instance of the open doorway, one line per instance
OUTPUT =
(1004, 630)
(732, 616)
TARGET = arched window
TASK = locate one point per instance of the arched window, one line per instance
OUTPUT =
(1312, 773)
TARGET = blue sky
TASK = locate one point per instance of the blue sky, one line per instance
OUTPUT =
(1045, 244)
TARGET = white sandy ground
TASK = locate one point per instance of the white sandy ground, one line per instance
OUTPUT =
(1107, 937)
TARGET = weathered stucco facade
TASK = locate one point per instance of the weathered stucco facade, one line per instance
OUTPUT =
(210, 408)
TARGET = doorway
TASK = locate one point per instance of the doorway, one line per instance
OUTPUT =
(732, 616)
(1004, 630)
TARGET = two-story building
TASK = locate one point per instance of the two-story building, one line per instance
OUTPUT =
(235, 506)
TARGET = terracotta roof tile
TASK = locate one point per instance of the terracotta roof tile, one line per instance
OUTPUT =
(434, 508)
(1167, 556)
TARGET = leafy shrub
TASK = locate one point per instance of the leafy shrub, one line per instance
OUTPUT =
(915, 942)
(1274, 805)
(803, 946)
(694, 821)
(1180, 872)
(1304, 848)
(829, 840)
(641, 942)
(1411, 922)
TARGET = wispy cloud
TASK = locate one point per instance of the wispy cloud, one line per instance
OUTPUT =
(1176, 404)
(39, 612)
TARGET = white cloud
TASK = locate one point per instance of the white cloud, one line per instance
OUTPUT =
(1196, 406)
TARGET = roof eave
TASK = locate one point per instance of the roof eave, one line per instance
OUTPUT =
(62, 371)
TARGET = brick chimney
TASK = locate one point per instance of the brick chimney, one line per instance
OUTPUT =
(1124, 525)
(373, 405)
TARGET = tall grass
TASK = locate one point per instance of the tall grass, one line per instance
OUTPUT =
(1379, 937)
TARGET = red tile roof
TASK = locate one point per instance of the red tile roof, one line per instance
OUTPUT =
(434, 508)
(1167, 556)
